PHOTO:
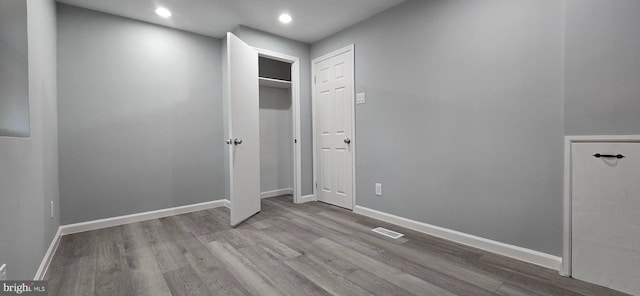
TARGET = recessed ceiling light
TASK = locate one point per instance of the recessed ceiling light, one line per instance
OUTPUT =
(285, 18)
(163, 12)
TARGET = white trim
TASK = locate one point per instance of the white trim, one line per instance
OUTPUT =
(295, 103)
(512, 251)
(568, 142)
(274, 193)
(351, 49)
(121, 220)
(565, 269)
(115, 221)
(347, 48)
(227, 100)
(354, 143)
(603, 139)
(297, 165)
(48, 256)
(308, 198)
(314, 134)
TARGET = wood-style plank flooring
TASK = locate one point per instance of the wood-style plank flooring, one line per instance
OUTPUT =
(288, 249)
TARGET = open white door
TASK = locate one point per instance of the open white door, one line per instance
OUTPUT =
(244, 129)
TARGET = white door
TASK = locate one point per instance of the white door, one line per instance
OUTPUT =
(606, 215)
(244, 129)
(333, 99)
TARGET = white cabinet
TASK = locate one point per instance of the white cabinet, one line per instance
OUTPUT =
(605, 214)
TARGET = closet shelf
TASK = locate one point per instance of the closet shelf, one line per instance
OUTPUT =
(276, 83)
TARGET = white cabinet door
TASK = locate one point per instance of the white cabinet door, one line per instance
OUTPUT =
(244, 129)
(606, 215)
(334, 110)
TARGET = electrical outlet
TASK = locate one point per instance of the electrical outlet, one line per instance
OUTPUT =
(379, 189)
(3, 272)
(52, 212)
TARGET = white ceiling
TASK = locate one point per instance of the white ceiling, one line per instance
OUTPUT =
(312, 19)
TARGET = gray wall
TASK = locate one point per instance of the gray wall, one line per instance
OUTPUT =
(276, 138)
(602, 67)
(14, 95)
(301, 50)
(463, 124)
(140, 116)
(29, 166)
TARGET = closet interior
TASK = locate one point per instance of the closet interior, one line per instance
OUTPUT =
(276, 128)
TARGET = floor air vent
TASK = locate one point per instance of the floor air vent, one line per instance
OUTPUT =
(387, 232)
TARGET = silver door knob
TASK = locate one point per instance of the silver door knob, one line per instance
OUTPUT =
(347, 141)
(237, 141)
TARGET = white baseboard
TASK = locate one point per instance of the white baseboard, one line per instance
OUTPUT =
(274, 193)
(512, 251)
(307, 198)
(48, 256)
(121, 220)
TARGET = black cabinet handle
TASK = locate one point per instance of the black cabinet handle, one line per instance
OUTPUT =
(618, 156)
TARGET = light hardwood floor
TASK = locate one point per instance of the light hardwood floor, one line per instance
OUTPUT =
(288, 249)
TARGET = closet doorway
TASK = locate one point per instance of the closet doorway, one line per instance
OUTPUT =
(279, 97)
(241, 98)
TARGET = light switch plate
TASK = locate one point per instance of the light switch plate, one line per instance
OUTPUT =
(379, 189)
(360, 98)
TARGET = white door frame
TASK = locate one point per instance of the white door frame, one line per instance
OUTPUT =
(295, 104)
(351, 49)
(568, 142)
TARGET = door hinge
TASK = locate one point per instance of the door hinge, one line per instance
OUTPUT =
(316, 185)
(314, 80)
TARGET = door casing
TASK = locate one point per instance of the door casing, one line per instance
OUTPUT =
(295, 101)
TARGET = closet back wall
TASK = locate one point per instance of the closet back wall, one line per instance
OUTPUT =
(276, 137)
(140, 116)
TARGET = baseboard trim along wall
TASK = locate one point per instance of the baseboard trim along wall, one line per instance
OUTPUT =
(48, 256)
(523, 254)
(116, 221)
(274, 193)
(144, 216)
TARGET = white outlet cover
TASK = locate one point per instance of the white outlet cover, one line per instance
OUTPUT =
(378, 189)
(360, 98)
